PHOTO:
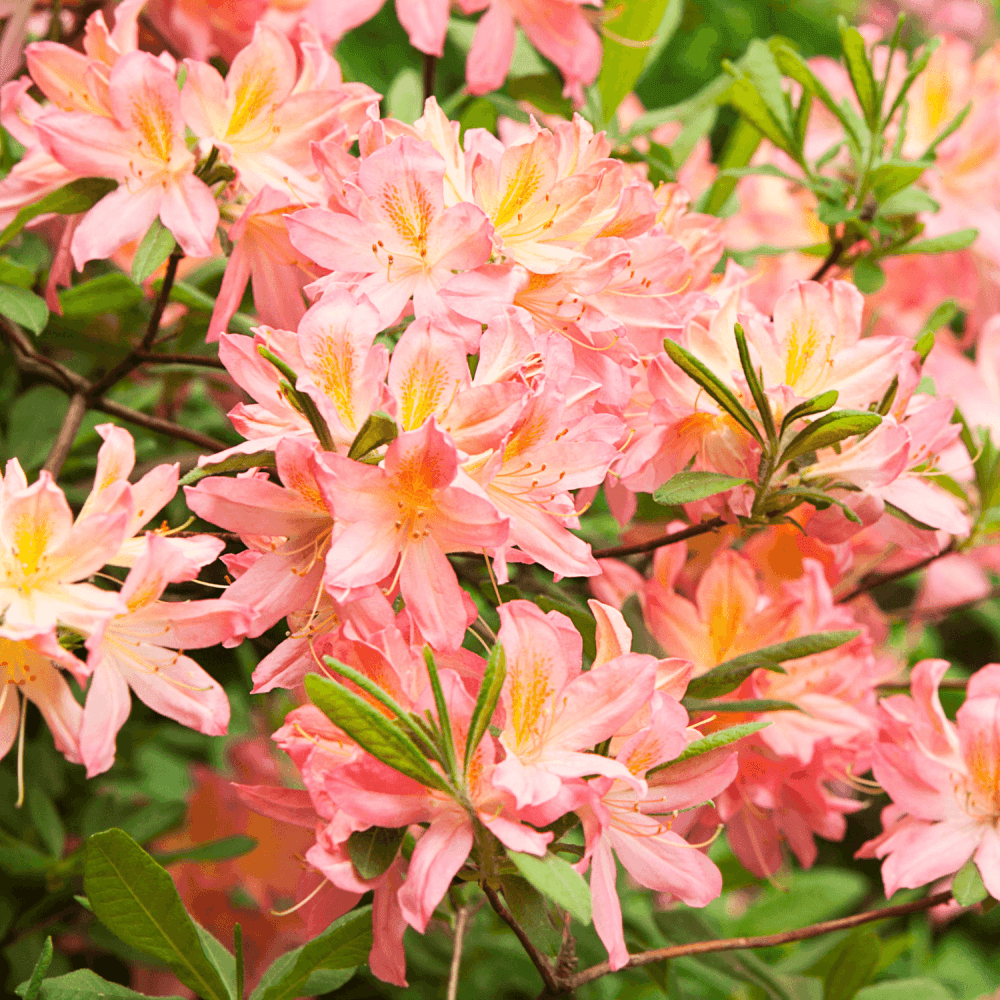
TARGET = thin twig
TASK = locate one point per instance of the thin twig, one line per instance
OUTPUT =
(461, 921)
(430, 72)
(948, 684)
(871, 582)
(71, 383)
(541, 963)
(202, 360)
(764, 941)
(677, 536)
(63, 443)
(831, 259)
(132, 360)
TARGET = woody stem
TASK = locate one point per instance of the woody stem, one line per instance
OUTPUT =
(552, 986)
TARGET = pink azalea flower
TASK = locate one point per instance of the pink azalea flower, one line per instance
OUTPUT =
(45, 557)
(262, 120)
(559, 29)
(399, 241)
(139, 649)
(554, 712)
(142, 147)
(25, 670)
(944, 779)
(406, 516)
(638, 828)
(287, 526)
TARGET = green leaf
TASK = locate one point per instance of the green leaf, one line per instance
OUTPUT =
(152, 820)
(720, 738)
(893, 176)
(77, 196)
(961, 239)
(968, 888)
(906, 989)
(695, 370)
(45, 819)
(108, 293)
(738, 152)
(868, 275)
(901, 515)
(909, 201)
(940, 317)
(635, 22)
(377, 430)
(760, 67)
(85, 985)
(802, 645)
(828, 430)
(220, 956)
(853, 965)
(728, 677)
(486, 701)
(24, 307)
(18, 858)
(558, 880)
(817, 498)
(372, 851)
(543, 91)
(747, 705)
(372, 730)
(136, 900)
(38, 973)
(156, 246)
(533, 911)
(235, 463)
(302, 401)
(343, 945)
(744, 97)
(818, 404)
(754, 383)
(222, 849)
(859, 69)
(688, 486)
(13, 273)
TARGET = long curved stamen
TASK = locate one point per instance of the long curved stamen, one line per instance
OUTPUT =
(301, 903)
(20, 752)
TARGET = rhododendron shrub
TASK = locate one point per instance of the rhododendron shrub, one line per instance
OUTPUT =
(527, 537)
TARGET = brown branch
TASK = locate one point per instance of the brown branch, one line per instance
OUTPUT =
(677, 536)
(132, 360)
(552, 985)
(202, 360)
(70, 382)
(63, 443)
(430, 72)
(461, 922)
(948, 684)
(764, 941)
(876, 580)
(831, 259)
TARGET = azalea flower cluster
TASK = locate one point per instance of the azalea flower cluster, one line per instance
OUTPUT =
(462, 341)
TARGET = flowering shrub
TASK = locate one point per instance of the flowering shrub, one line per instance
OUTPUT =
(572, 457)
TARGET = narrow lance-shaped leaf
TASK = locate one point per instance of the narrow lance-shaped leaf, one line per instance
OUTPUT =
(901, 515)
(486, 701)
(800, 646)
(916, 67)
(720, 738)
(84, 985)
(403, 718)
(745, 705)
(444, 720)
(744, 97)
(344, 945)
(372, 730)
(38, 973)
(728, 677)
(223, 849)
(71, 199)
(828, 430)
(818, 404)
(24, 307)
(235, 463)
(942, 315)
(377, 430)
(818, 499)
(687, 487)
(753, 381)
(557, 879)
(859, 68)
(372, 851)
(953, 126)
(961, 239)
(695, 370)
(136, 899)
(302, 401)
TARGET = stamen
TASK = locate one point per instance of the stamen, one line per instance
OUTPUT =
(20, 753)
(299, 905)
